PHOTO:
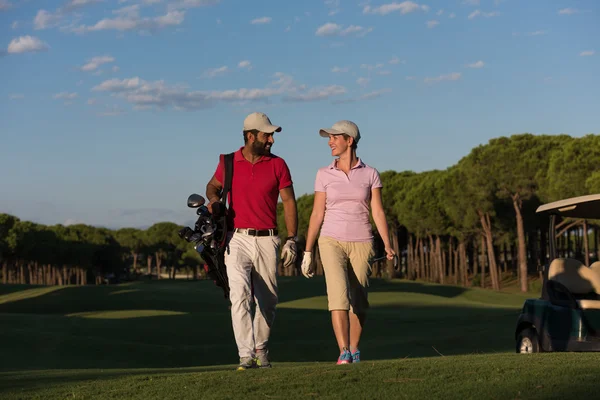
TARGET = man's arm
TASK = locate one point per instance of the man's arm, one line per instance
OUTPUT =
(289, 209)
(213, 192)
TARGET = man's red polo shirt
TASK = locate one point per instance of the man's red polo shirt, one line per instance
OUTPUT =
(255, 189)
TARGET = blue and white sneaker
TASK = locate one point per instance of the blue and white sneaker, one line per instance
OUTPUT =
(356, 356)
(345, 357)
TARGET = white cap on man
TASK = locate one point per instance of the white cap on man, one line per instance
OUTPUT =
(341, 127)
(260, 122)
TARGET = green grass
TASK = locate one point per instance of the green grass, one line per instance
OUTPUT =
(170, 339)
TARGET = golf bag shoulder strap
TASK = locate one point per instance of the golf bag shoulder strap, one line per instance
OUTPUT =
(228, 164)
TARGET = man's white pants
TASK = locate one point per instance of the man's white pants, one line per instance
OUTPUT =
(252, 265)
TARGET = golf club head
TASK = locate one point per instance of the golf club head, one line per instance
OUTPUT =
(195, 201)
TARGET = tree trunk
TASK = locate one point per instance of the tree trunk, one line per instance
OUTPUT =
(450, 258)
(422, 260)
(431, 258)
(135, 258)
(518, 204)
(462, 263)
(149, 260)
(158, 263)
(483, 262)
(59, 276)
(5, 272)
(440, 260)
(410, 259)
(444, 266)
(487, 228)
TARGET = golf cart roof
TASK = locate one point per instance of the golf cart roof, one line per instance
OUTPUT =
(587, 207)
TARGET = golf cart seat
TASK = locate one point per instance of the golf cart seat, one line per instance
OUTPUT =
(595, 267)
(570, 282)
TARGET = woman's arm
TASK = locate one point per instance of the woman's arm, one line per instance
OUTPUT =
(316, 219)
(380, 221)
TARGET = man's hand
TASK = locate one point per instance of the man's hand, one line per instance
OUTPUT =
(211, 202)
(307, 269)
(288, 253)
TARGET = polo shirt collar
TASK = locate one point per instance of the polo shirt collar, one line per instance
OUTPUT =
(333, 165)
(238, 156)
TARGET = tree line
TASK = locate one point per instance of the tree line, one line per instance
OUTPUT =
(470, 224)
(475, 222)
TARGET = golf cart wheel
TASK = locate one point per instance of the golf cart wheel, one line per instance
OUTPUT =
(527, 341)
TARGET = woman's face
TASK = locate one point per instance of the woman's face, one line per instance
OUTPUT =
(338, 144)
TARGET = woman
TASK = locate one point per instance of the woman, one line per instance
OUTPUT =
(343, 192)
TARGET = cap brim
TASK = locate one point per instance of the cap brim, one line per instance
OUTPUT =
(325, 132)
(270, 128)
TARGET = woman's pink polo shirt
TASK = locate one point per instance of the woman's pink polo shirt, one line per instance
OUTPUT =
(347, 201)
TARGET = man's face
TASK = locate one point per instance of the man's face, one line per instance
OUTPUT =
(262, 143)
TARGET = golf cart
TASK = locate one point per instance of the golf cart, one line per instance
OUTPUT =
(567, 315)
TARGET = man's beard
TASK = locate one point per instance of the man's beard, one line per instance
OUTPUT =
(259, 149)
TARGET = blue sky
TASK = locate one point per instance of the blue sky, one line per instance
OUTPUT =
(112, 112)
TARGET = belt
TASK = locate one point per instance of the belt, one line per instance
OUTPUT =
(257, 232)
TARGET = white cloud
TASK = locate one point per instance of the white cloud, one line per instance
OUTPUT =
(366, 96)
(331, 29)
(587, 53)
(440, 12)
(112, 111)
(568, 11)
(478, 13)
(92, 101)
(333, 5)
(447, 77)
(115, 69)
(95, 62)
(245, 64)
(184, 4)
(396, 60)
(537, 33)
(14, 25)
(371, 67)
(478, 64)
(132, 11)
(405, 7)
(320, 93)
(383, 73)
(432, 23)
(17, 96)
(451, 15)
(363, 81)
(143, 94)
(338, 69)
(26, 44)
(134, 22)
(76, 4)
(45, 19)
(261, 20)
(5, 5)
(214, 72)
(471, 2)
(65, 96)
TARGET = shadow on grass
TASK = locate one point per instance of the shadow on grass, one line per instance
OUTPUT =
(36, 332)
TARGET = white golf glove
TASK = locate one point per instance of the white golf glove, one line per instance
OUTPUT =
(288, 253)
(307, 269)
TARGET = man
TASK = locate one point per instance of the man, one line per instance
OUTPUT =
(252, 254)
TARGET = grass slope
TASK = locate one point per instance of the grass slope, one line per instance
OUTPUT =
(173, 340)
